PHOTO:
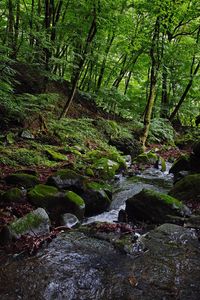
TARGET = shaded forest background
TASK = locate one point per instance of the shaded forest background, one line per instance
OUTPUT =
(137, 59)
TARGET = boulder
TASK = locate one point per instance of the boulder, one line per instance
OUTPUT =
(34, 223)
(187, 189)
(22, 179)
(13, 195)
(182, 164)
(154, 207)
(127, 145)
(196, 149)
(66, 179)
(56, 202)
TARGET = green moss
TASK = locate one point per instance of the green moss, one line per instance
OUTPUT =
(24, 224)
(22, 179)
(163, 197)
(76, 199)
(98, 186)
(13, 195)
(54, 155)
(67, 174)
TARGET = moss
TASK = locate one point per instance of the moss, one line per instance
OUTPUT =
(13, 195)
(106, 168)
(165, 198)
(43, 195)
(98, 186)
(76, 199)
(57, 156)
(22, 179)
(67, 174)
(24, 224)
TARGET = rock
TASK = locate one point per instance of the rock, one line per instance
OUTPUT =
(153, 207)
(193, 222)
(182, 164)
(194, 163)
(13, 195)
(26, 134)
(66, 179)
(196, 149)
(56, 202)
(75, 265)
(187, 189)
(22, 179)
(57, 156)
(127, 146)
(106, 168)
(100, 186)
(34, 223)
(96, 201)
(70, 221)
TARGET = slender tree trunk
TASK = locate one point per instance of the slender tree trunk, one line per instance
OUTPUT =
(75, 79)
(164, 99)
(127, 82)
(153, 81)
(176, 109)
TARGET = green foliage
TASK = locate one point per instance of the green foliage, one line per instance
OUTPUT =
(161, 131)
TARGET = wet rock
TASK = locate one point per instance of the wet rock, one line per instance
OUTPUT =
(187, 189)
(193, 222)
(66, 179)
(127, 146)
(13, 195)
(182, 164)
(34, 223)
(166, 265)
(69, 220)
(56, 202)
(96, 201)
(22, 179)
(154, 207)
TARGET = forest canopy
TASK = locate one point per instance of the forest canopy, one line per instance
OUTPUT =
(139, 59)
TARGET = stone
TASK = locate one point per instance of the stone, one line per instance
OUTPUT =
(22, 179)
(66, 179)
(182, 164)
(128, 146)
(69, 220)
(154, 207)
(55, 155)
(196, 149)
(56, 202)
(187, 189)
(13, 195)
(36, 222)
(26, 134)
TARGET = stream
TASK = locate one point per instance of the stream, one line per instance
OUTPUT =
(126, 187)
(79, 265)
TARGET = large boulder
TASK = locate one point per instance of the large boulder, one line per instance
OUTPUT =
(187, 189)
(56, 202)
(154, 207)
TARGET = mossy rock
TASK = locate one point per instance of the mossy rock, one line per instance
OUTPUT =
(106, 168)
(22, 179)
(13, 195)
(127, 146)
(76, 204)
(146, 158)
(196, 148)
(66, 179)
(57, 203)
(96, 201)
(56, 156)
(43, 196)
(100, 186)
(35, 222)
(187, 189)
(154, 207)
(182, 164)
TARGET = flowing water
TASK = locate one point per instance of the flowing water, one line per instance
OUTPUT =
(125, 188)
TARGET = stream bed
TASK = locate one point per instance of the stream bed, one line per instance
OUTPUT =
(79, 266)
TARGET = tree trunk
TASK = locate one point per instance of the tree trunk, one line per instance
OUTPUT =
(153, 80)
(176, 109)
